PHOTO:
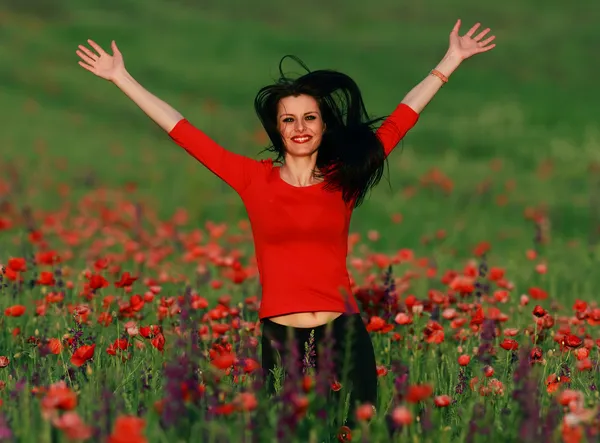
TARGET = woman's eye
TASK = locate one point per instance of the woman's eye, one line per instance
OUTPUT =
(291, 119)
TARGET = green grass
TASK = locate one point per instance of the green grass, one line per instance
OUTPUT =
(531, 99)
(528, 104)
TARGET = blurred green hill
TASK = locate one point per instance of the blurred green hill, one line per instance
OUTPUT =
(531, 101)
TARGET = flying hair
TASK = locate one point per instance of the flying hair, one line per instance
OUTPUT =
(350, 157)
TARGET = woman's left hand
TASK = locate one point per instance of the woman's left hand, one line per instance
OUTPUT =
(469, 44)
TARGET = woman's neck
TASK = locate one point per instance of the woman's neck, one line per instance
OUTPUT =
(299, 171)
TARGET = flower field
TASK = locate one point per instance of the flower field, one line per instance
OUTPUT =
(123, 328)
(128, 286)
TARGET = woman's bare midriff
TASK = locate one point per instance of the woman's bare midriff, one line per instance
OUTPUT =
(305, 319)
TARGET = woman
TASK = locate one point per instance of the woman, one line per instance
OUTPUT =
(300, 211)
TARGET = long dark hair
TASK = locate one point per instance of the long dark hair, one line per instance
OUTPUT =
(351, 157)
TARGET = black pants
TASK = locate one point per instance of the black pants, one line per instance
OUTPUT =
(344, 339)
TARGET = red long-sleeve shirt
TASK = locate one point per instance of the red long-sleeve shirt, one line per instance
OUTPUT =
(300, 233)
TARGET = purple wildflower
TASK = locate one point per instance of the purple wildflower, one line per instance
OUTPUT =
(181, 371)
(326, 364)
(527, 395)
(59, 281)
(487, 336)
(538, 237)
(19, 387)
(401, 380)
(5, 431)
(482, 284)
(288, 420)
(77, 335)
(44, 349)
(102, 416)
(308, 361)
(565, 371)
(462, 382)
(551, 422)
(474, 425)
(425, 418)
(388, 301)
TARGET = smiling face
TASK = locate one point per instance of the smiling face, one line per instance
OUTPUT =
(300, 124)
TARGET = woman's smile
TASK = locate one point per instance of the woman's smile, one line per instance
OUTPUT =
(301, 138)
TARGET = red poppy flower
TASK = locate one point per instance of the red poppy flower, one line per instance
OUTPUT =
(441, 401)
(82, 354)
(496, 274)
(17, 264)
(223, 361)
(96, 281)
(572, 341)
(538, 293)
(538, 311)
(509, 344)
(344, 434)
(535, 355)
(128, 429)
(15, 311)
(464, 360)
(418, 393)
(46, 279)
(125, 280)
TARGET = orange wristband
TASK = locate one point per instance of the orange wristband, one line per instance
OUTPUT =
(439, 75)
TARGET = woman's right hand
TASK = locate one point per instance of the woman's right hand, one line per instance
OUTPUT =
(108, 67)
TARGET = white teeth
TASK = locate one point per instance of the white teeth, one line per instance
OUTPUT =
(300, 139)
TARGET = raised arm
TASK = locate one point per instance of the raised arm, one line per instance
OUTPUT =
(460, 49)
(406, 114)
(236, 170)
(112, 68)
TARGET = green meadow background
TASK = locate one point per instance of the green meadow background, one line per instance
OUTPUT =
(516, 129)
(519, 122)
